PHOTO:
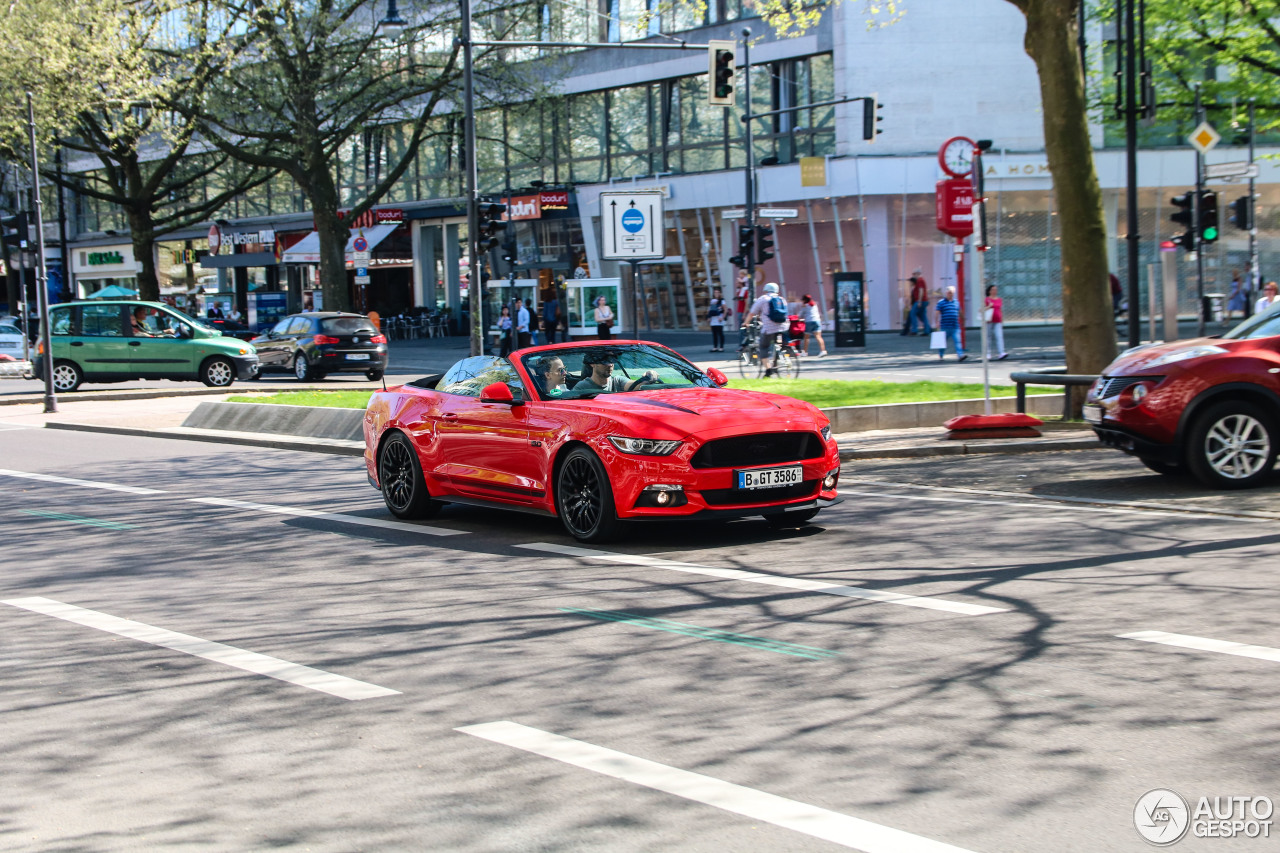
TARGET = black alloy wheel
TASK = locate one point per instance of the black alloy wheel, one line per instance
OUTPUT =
(1233, 445)
(782, 520)
(584, 499)
(217, 373)
(400, 475)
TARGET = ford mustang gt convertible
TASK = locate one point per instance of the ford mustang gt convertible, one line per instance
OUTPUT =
(598, 433)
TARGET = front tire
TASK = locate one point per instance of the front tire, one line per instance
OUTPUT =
(1233, 445)
(302, 368)
(749, 364)
(400, 477)
(67, 376)
(584, 498)
(217, 373)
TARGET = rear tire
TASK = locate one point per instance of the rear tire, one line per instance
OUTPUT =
(373, 375)
(217, 373)
(302, 368)
(67, 376)
(400, 478)
(1232, 446)
(749, 364)
(584, 497)
(784, 520)
(788, 364)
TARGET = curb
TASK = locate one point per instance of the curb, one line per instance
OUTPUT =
(963, 449)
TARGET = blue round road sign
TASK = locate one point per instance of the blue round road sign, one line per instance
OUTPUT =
(632, 220)
(360, 244)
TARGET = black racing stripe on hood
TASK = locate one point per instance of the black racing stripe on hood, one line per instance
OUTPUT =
(663, 405)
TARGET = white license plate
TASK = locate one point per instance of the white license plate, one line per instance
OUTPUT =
(357, 357)
(1093, 413)
(8, 345)
(768, 478)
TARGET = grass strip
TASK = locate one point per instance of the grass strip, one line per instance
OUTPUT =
(671, 627)
(827, 393)
(79, 519)
(324, 399)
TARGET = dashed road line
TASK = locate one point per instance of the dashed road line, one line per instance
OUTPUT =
(756, 805)
(684, 628)
(882, 596)
(282, 670)
(91, 484)
(1204, 644)
(380, 523)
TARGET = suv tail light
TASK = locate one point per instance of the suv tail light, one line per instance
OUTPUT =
(321, 340)
(378, 339)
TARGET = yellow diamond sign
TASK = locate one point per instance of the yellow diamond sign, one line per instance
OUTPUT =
(1204, 137)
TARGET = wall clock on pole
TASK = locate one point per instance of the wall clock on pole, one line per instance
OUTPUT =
(956, 156)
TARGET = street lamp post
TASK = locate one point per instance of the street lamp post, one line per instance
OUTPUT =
(42, 279)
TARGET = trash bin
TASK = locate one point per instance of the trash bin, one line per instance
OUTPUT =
(1214, 307)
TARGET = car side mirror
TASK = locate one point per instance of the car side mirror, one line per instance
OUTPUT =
(717, 376)
(499, 392)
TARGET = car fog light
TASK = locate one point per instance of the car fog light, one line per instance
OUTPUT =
(829, 481)
(663, 498)
(1140, 392)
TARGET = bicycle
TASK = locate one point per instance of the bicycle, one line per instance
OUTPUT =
(750, 365)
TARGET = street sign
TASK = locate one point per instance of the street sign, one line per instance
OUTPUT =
(778, 213)
(360, 244)
(1236, 169)
(736, 213)
(362, 272)
(1204, 137)
(360, 258)
(362, 279)
(631, 226)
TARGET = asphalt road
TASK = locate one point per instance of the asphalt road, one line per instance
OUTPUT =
(937, 661)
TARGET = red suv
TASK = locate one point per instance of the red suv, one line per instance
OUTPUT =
(1209, 405)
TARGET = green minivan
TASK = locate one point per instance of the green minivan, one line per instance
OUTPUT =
(114, 340)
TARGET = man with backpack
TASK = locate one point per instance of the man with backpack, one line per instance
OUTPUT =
(772, 311)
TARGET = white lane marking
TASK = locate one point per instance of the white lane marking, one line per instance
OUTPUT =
(1172, 509)
(805, 584)
(329, 516)
(757, 805)
(91, 484)
(1204, 644)
(1027, 504)
(283, 670)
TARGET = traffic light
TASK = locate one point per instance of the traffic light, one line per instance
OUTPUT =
(1208, 216)
(1182, 216)
(15, 230)
(746, 247)
(764, 242)
(492, 226)
(720, 74)
(871, 117)
(1242, 213)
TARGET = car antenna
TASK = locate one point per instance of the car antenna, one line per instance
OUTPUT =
(384, 381)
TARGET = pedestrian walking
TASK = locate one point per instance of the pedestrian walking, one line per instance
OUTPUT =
(604, 319)
(993, 314)
(812, 318)
(1238, 300)
(1117, 294)
(919, 305)
(524, 337)
(504, 332)
(718, 311)
(744, 292)
(551, 317)
(1267, 299)
(948, 316)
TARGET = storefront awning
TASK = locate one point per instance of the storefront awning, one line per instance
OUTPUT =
(307, 250)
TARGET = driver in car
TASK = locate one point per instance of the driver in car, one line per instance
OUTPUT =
(602, 378)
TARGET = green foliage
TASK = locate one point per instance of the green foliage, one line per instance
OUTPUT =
(324, 399)
(826, 393)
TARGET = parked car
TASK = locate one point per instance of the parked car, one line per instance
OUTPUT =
(11, 340)
(596, 434)
(230, 328)
(1210, 406)
(96, 342)
(317, 343)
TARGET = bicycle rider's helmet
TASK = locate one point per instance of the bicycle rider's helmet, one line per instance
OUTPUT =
(771, 287)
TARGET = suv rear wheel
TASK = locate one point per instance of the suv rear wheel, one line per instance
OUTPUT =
(1233, 445)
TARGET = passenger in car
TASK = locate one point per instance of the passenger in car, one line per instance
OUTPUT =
(139, 323)
(550, 373)
(601, 377)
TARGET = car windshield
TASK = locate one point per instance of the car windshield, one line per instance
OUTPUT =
(1264, 325)
(586, 371)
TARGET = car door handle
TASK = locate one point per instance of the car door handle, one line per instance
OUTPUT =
(77, 343)
(449, 416)
(135, 343)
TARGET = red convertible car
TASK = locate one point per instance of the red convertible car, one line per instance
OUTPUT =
(598, 433)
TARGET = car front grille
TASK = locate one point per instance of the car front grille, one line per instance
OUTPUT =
(1113, 385)
(748, 451)
(748, 497)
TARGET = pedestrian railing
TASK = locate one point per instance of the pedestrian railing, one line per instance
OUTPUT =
(1049, 376)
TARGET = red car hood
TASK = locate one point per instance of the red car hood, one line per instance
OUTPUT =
(1133, 362)
(699, 410)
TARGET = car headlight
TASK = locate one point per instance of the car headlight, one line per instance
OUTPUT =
(1183, 355)
(644, 446)
(826, 432)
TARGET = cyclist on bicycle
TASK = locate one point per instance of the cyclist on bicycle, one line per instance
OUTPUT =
(772, 311)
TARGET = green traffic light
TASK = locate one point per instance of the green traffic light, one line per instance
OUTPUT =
(1210, 234)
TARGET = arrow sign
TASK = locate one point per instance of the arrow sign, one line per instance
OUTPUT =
(631, 225)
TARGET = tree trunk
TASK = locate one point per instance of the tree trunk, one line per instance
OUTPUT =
(142, 235)
(333, 231)
(1088, 327)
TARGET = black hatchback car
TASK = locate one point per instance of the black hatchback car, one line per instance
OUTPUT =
(317, 343)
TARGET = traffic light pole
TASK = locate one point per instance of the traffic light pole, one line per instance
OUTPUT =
(1250, 288)
(1131, 163)
(1195, 220)
(42, 279)
(751, 163)
(475, 281)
